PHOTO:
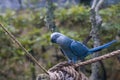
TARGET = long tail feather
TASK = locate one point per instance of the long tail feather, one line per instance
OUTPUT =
(101, 47)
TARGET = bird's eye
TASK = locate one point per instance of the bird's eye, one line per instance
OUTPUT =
(54, 38)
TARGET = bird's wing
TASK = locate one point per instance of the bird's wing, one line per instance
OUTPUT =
(79, 49)
(65, 54)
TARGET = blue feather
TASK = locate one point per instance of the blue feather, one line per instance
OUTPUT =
(101, 47)
(75, 50)
(79, 49)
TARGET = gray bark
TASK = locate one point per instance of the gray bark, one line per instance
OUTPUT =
(96, 24)
(50, 16)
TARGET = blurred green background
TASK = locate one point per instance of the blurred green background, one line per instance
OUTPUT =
(28, 26)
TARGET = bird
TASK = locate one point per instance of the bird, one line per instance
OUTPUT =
(75, 50)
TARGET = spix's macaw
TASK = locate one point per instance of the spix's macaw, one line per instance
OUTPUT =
(75, 50)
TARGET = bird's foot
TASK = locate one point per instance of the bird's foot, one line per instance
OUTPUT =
(70, 62)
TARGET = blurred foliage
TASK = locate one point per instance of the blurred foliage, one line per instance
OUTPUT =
(28, 26)
(110, 17)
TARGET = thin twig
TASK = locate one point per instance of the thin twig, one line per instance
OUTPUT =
(109, 55)
(27, 53)
(94, 4)
(98, 5)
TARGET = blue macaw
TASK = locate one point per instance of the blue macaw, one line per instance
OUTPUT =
(75, 50)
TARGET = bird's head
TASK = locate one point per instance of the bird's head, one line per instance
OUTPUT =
(55, 36)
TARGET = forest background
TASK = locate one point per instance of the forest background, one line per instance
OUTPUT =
(27, 23)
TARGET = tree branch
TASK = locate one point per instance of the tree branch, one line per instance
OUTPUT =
(20, 45)
(109, 55)
(50, 16)
(96, 21)
(94, 4)
(65, 70)
(98, 5)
